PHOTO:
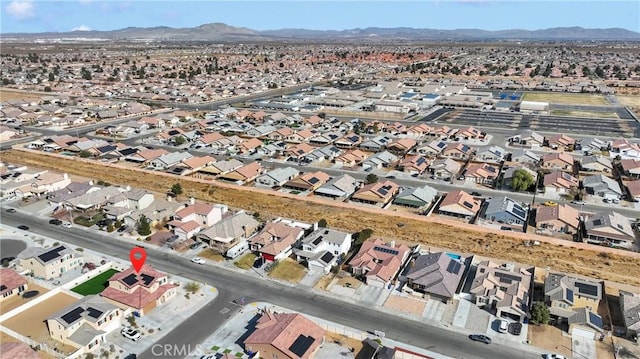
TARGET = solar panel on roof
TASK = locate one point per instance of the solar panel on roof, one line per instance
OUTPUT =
(128, 151)
(327, 257)
(147, 279)
(595, 319)
(317, 240)
(491, 169)
(383, 191)
(130, 279)
(73, 315)
(3, 287)
(570, 295)
(467, 204)
(519, 212)
(588, 289)
(313, 180)
(52, 254)
(301, 345)
(454, 267)
(94, 313)
(420, 161)
(597, 222)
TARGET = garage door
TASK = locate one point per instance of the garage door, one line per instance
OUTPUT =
(579, 332)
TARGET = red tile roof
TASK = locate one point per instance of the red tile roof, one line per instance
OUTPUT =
(11, 280)
(282, 329)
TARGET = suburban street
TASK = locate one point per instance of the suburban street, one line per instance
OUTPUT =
(233, 285)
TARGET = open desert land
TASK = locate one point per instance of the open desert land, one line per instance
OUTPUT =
(566, 98)
(632, 101)
(11, 94)
(437, 231)
(584, 114)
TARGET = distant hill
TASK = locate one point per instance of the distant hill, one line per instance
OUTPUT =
(224, 32)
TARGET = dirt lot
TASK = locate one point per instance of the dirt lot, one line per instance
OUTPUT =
(435, 231)
(31, 323)
(405, 304)
(288, 270)
(632, 101)
(6, 94)
(566, 98)
(584, 114)
(344, 340)
(16, 301)
(550, 338)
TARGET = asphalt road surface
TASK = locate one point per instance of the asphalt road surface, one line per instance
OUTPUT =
(233, 285)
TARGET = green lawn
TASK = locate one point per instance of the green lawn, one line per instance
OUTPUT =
(96, 284)
(88, 222)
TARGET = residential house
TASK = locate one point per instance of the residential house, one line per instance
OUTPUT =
(561, 218)
(505, 289)
(323, 248)
(379, 160)
(284, 336)
(375, 144)
(372, 350)
(378, 262)
(634, 190)
(505, 210)
(326, 153)
(561, 142)
(528, 139)
(350, 140)
(169, 160)
(279, 134)
(443, 132)
(139, 291)
(249, 146)
(586, 323)
(229, 232)
(469, 133)
(630, 308)
(301, 136)
(562, 161)
(433, 149)
(309, 181)
(276, 177)
(592, 144)
(85, 324)
(350, 158)
(146, 156)
(190, 220)
(419, 131)
(416, 197)
(48, 263)
(326, 138)
(340, 187)
(566, 295)
(559, 182)
(493, 154)
(19, 350)
(297, 152)
(525, 157)
(222, 167)
(481, 173)
(602, 186)
(457, 150)
(42, 184)
(631, 167)
(596, 164)
(379, 193)
(445, 168)
(261, 131)
(459, 204)
(11, 283)
(276, 240)
(401, 146)
(609, 228)
(625, 149)
(436, 275)
(244, 174)
(508, 175)
(192, 165)
(415, 164)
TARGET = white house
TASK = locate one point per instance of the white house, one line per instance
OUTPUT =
(323, 248)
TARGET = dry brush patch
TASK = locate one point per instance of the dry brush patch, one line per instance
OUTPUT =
(430, 232)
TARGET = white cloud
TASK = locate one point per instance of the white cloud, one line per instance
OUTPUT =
(81, 28)
(21, 9)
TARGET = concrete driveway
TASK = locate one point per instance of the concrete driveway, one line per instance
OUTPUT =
(583, 348)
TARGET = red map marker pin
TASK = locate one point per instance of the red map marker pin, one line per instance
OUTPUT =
(137, 256)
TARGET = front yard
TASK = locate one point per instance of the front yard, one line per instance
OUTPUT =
(210, 254)
(246, 262)
(96, 284)
(288, 270)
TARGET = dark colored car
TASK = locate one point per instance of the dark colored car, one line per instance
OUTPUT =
(476, 194)
(122, 229)
(23, 227)
(516, 328)
(55, 222)
(480, 338)
(11, 210)
(258, 263)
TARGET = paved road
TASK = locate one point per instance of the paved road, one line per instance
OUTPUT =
(234, 285)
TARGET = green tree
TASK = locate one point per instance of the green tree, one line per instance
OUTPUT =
(363, 235)
(521, 180)
(371, 178)
(118, 223)
(84, 154)
(144, 228)
(110, 228)
(179, 140)
(322, 223)
(176, 189)
(540, 313)
(47, 89)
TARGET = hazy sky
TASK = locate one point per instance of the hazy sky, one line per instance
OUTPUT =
(41, 16)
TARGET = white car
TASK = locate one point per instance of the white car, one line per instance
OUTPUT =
(503, 326)
(131, 333)
(553, 356)
(66, 225)
(579, 202)
(198, 260)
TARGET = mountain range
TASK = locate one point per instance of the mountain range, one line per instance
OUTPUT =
(226, 33)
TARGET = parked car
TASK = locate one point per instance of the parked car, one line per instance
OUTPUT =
(130, 333)
(516, 328)
(550, 203)
(476, 194)
(122, 228)
(553, 356)
(579, 202)
(67, 225)
(55, 222)
(480, 338)
(196, 245)
(23, 227)
(11, 210)
(503, 326)
(198, 260)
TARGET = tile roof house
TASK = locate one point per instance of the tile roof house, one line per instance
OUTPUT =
(244, 174)
(222, 167)
(301, 136)
(379, 193)
(505, 288)
(432, 149)
(350, 140)
(86, 323)
(561, 141)
(340, 187)
(469, 133)
(437, 275)
(565, 294)
(309, 181)
(375, 144)
(596, 164)
(351, 158)
(326, 153)
(18, 350)
(415, 164)
(609, 228)
(444, 168)
(631, 167)
(11, 283)
(401, 145)
(630, 307)
(481, 173)
(634, 189)
(457, 150)
(141, 292)
(562, 161)
(277, 177)
(416, 197)
(459, 204)
(50, 262)
(298, 151)
(379, 160)
(526, 157)
(378, 262)
(505, 210)
(284, 336)
(493, 154)
(229, 231)
(276, 240)
(602, 186)
(323, 248)
(561, 218)
(168, 160)
(559, 182)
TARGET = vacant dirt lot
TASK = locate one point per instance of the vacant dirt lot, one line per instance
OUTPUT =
(434, 231)
(7, 94)
(566, 98)
(405, 304)
(550, 338)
